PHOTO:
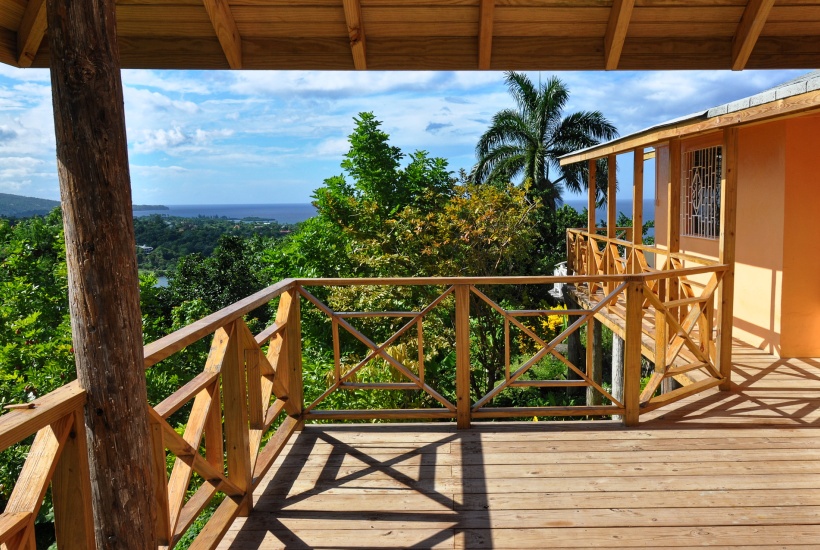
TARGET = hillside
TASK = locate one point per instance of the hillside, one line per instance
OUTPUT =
(16, 206)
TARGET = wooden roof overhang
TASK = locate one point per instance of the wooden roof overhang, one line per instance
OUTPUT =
(699, 124)
(442, 34)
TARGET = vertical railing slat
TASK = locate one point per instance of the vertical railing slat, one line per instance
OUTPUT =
(237, 437)
(293, 335)
(632, 351)
(463, 403)
(71, 491)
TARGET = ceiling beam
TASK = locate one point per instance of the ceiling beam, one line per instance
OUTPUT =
(225, 26)
(31, 32)
(748, 31)
(619, 17)
(355, 31)
(485, 33)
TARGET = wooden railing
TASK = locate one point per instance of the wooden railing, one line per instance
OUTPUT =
(251, 388)
(58, 456)
(679, 314)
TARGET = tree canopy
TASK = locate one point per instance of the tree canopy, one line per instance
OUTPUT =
(528, 140)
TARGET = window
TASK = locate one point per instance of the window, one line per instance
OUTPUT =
(700, 193)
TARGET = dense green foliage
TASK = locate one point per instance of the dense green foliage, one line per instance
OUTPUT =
(173, 237)
(387, 214)
(528, 140)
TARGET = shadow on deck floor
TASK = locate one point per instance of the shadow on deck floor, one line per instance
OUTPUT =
(738, 469)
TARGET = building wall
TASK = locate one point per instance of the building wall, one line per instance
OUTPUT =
(777, 270)
(760, 231)
(801, 258)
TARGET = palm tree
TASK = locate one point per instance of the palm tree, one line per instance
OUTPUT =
(528, 141)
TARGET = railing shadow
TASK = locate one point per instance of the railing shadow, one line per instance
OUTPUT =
(766, 392)
(381, 490)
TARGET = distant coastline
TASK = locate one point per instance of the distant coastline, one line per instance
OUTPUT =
(152, 207)
(282, 212)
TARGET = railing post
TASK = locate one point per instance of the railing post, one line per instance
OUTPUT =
(592, 190)
(293, 333)
(463, 402)
(237, 434)
(632, 351)
(637, 207)
(71, 492)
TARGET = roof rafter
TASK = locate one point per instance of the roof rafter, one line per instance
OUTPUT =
(748, 31)
(355, 30)
(616, 29)
(782, 108)
(225, 26)
(31, 32)
(485, 33)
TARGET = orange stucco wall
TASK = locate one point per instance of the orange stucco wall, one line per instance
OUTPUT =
(759, 245)
(777, 277)
(800, 317)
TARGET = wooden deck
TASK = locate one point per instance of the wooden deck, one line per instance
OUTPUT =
(738, 469)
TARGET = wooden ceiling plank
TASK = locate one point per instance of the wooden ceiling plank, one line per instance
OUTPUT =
(485, 33)
(225, 26)
(31, 32)
(619, 18)
(748, 31)
(355, 31)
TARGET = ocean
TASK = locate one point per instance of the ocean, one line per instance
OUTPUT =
(282, 213)
(297, 212)
(624, 206)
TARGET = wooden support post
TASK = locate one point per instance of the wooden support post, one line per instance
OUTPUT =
(592, 195)
(463, 402)
(103, 287)
(726, 291)
(632, 352)
(595, 365)
(611, 214)
(237, 436)
(637, 206)
(611, 196)
(673, 200)
(617, 370)
(673, 197)
(71, 492)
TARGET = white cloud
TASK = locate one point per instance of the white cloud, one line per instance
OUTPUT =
(234, 136)
(333, 147)
(167, 81)
(176, 138)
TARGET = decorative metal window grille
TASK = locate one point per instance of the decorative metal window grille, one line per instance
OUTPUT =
(700, 193)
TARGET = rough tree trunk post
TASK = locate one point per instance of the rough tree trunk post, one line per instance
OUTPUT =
(95, 188)
(617, 370)
(594, 397)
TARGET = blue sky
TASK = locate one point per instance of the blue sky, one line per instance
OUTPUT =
(272, 137)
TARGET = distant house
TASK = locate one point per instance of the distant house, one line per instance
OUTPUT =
(777, 234)
(145, 248)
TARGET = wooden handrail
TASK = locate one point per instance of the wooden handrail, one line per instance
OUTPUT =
(646, 248)
(245, 387)
(18, 424)
(165, 347)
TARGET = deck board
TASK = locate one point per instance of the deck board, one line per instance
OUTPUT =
(738, 469)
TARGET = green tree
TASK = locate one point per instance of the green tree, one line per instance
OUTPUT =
(528, 140)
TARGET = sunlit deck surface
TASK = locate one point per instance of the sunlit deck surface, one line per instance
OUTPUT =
(737, 469)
